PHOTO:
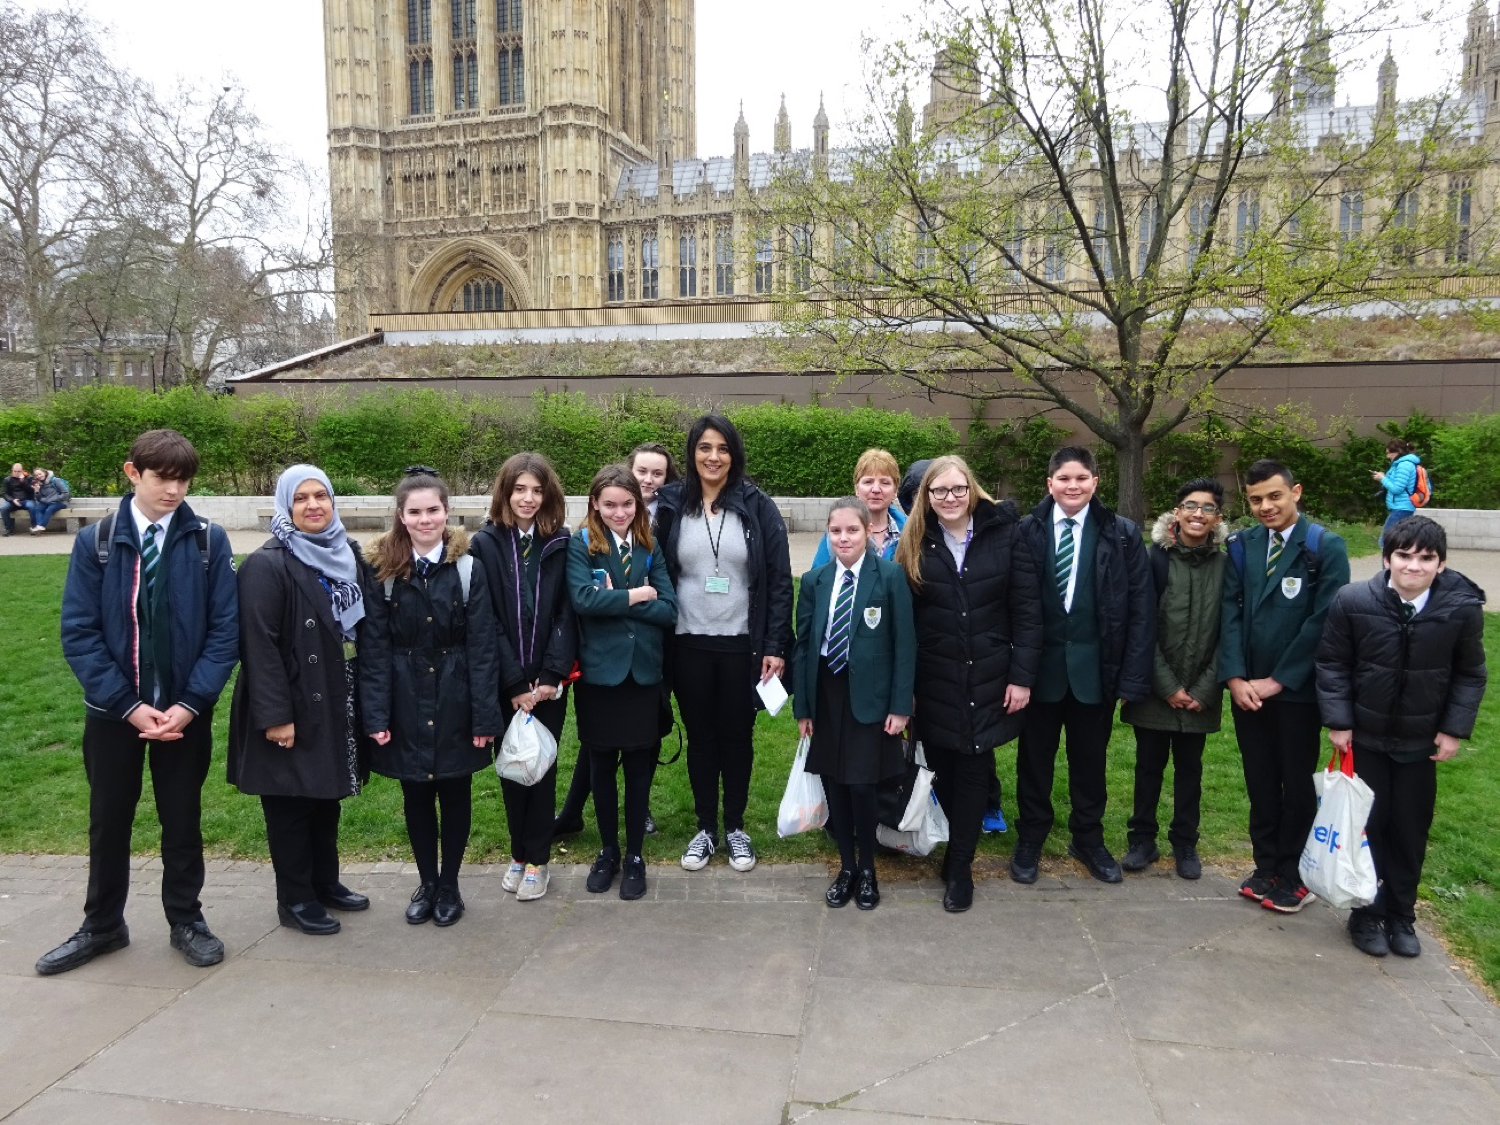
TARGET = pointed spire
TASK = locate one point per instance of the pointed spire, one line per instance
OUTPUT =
(783, 134)
(741, 151)
(904, 119)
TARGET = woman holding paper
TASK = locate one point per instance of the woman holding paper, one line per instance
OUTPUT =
(855, 667)
(979, 643)
(523, 548)
(726, 548)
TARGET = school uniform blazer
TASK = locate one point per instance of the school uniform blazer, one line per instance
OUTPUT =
(882, 650)
(617, 639)
(1270, 626)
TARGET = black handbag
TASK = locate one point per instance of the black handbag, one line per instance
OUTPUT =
(894, 793)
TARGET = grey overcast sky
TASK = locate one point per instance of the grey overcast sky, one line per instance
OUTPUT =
(274, 49)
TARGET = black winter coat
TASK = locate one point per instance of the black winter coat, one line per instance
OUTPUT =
(1398, 684)
(1124, 592)
(546, 651)
(291, 671)
(428, 670)
(770, 561)
(977, 632)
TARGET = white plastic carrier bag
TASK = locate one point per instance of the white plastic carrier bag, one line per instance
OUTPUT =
(1336, 864)
(527, 751)
(804, 805)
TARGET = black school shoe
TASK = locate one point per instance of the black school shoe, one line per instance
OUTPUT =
(1140, 855)
(841, 890)
(1024, 862)
(197, 944)
(1402, 936)
(958, 896)
(422, 901)
(633, 881)
(1189, 866)
(449, 907)
(605, 868)
(867, 893)
(309, 917)
(336, 896)
(1368, 934)
(1096, 858)
(80, 949)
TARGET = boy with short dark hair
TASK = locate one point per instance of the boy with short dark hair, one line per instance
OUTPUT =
(150, 626)
(1281, 579)
(1098, 637)
(1401, 671)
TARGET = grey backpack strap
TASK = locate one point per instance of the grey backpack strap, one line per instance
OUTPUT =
(390, 584)
(104, 535)
(465, 565)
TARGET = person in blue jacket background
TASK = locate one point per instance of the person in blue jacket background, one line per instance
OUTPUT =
(876, 480)
(1399, 482)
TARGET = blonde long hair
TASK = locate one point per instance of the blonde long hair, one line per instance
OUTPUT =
(909, 548)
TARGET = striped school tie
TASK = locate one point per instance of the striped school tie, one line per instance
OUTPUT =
(150, 556)
(1277, 543)
(843, 625)
(526, 548)
(625, 560)
(1065, 559)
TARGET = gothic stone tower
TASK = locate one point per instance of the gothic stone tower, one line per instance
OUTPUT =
(473, 143)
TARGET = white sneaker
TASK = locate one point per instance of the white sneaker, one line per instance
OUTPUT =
(534, 885)
(699, 848)
(741, 854)
(510, 882)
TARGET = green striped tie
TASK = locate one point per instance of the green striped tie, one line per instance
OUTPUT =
(841, 629)
(625, 560)
(1065, 559)
(149, 558)
(526, 547)
(1277, 543)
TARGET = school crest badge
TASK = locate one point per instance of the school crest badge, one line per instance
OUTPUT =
(1291, 587)
(872, 616)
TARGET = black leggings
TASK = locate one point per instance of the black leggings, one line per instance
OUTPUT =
(421, 799)
(639, 766)
(715, 698)
(853, 811)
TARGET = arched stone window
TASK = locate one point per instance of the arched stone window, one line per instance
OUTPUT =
(484, 294)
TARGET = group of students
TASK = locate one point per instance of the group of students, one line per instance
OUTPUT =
(964, 619)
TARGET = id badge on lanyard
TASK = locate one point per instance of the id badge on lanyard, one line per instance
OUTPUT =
(715, 583)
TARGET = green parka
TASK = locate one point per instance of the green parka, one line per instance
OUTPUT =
(1187, 634)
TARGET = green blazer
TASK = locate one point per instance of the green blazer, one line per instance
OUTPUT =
(882, 650)
(1271, 625)
(617, 639)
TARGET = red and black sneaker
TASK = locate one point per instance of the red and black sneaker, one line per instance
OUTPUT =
(1258, 886)
(1288, 898)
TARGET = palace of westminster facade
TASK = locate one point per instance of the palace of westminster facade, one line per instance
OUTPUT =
(498, 155)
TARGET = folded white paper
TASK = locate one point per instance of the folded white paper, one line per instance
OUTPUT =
(773, 695)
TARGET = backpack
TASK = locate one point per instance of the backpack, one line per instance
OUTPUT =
(104, 537)
(1310, 547)
(465, 566)
(1159, 564)
(1422, 491)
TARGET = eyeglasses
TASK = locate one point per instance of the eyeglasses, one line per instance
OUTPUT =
(958, 492)
(1194, 506)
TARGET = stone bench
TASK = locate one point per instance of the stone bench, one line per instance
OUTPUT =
(379, 515)
(76, 517)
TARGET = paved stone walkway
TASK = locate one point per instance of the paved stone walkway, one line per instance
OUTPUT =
(735, 998)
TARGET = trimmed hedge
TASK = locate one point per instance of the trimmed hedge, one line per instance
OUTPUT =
(365, 441)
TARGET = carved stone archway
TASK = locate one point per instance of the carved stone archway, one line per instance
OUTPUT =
(440, 280)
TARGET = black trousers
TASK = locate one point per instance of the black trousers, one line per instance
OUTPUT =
(422, 800)
(1405, 796)
(714, 697)
(1087, 727)
(1279, 749)
(962, 783)
(528, 808)
(303, 835)
(1153, 749)
(639, 766)
(114, 758)
(853, 812)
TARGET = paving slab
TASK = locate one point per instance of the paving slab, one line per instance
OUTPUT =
(315, 1040)
(725, 998)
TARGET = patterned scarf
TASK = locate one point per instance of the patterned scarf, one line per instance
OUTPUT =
(327, 552)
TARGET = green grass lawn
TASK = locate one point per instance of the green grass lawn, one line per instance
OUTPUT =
(44, 797)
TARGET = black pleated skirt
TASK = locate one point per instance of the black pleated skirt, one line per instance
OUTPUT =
(844, 749)
(625, 715)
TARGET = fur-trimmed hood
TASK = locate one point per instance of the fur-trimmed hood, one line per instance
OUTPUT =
(455, 544)
(1161, 532)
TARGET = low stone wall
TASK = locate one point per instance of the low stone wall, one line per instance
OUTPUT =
(244, 512)
(1476, 529)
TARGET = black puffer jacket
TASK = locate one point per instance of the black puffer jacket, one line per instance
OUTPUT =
(427, 669)
(1124, 591)
(546, 650)
(1397, 684)
(976, 633)
(770, 560)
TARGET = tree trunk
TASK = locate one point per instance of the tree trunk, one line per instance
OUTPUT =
(1130, 457)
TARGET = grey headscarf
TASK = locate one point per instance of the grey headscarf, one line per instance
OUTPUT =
(327, 551)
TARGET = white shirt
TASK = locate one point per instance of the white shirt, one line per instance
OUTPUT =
(833, 602)
(1058, 515)
(433, 556)
(1418, 603)
(958, 545)
(143, 521)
